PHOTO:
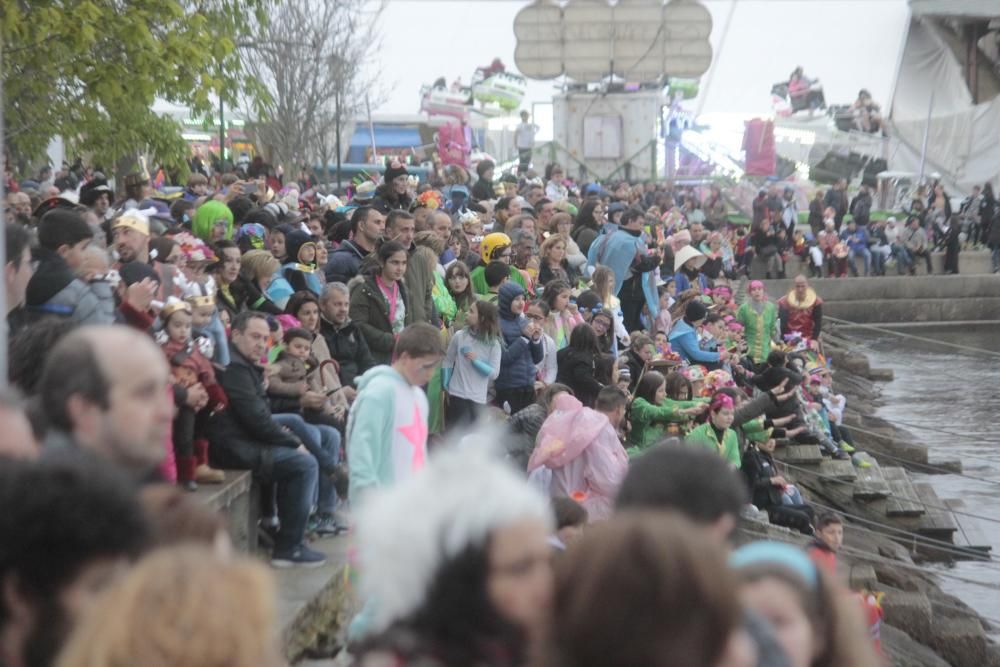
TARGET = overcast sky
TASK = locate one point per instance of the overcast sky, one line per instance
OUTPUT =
(425, 39)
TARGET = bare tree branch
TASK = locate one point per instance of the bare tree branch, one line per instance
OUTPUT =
(314, 57)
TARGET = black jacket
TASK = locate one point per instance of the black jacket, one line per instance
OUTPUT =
(759, 468)
(483, 190)
(241, 436)
(576, 370)
(344, 262)
(348, 348)
(370, 312)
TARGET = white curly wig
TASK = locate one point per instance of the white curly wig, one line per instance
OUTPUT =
(407, 532)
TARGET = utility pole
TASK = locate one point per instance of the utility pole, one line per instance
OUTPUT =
(3, 237)
(222, 135)
(336, 122)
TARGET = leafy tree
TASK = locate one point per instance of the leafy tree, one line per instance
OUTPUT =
(90, 70)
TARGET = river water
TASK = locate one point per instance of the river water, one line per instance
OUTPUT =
(949, 398)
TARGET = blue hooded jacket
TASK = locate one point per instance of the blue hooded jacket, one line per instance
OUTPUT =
(684, 341)
(517, 363)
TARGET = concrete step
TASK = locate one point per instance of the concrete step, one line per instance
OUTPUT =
(315, 604)
(919, 309)
(894, 287)
(236, 499)
(839, 471)
(803, 455)
(870, 484)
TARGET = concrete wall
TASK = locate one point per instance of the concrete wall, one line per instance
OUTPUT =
(905, 299)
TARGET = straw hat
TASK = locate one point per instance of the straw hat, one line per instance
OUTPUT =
(686, 253)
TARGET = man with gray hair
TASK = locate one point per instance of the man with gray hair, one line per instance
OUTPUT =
(347, 346)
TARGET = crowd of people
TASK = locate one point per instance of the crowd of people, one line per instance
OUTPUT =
(844, 238)
(540, 412)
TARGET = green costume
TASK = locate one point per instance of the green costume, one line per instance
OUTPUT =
(444, 303)
(480, 287)
(758, 328)
(649, 421)
(755, 431)
(729, 448)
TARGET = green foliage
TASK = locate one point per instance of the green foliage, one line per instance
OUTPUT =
(90, 70)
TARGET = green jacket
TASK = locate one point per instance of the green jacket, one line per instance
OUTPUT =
(755, 431)
(729, 448)
(649, 421)
(478, 277)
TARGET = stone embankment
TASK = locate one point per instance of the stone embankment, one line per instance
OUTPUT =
(893, 524)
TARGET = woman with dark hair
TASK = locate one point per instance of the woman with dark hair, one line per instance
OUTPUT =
(232, 293)
(576, 364)
(617, 593)
(589, 222)
(476, 584)
(652, 413)
(380, 304)
(394, 193)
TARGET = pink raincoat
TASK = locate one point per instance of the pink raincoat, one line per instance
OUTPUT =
(581, 449)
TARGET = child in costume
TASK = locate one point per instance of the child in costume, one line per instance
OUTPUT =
(299, 271)
(652, 412)
(193, 282)
(189, 369)
(717, 434)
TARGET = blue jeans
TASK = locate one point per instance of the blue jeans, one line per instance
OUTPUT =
(996, 255)
(791, 496)
(323, 442)
(865, 254)
(904, 259)
(294, 474)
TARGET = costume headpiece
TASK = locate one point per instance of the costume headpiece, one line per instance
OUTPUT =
(429, 199)
(132, 219)
(173, 306)
(198, 294)
(721, 402)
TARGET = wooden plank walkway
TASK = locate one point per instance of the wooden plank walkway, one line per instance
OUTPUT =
(904, 500)
(937, 522)
(871, 484)
(803, 454)
(834, 471)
